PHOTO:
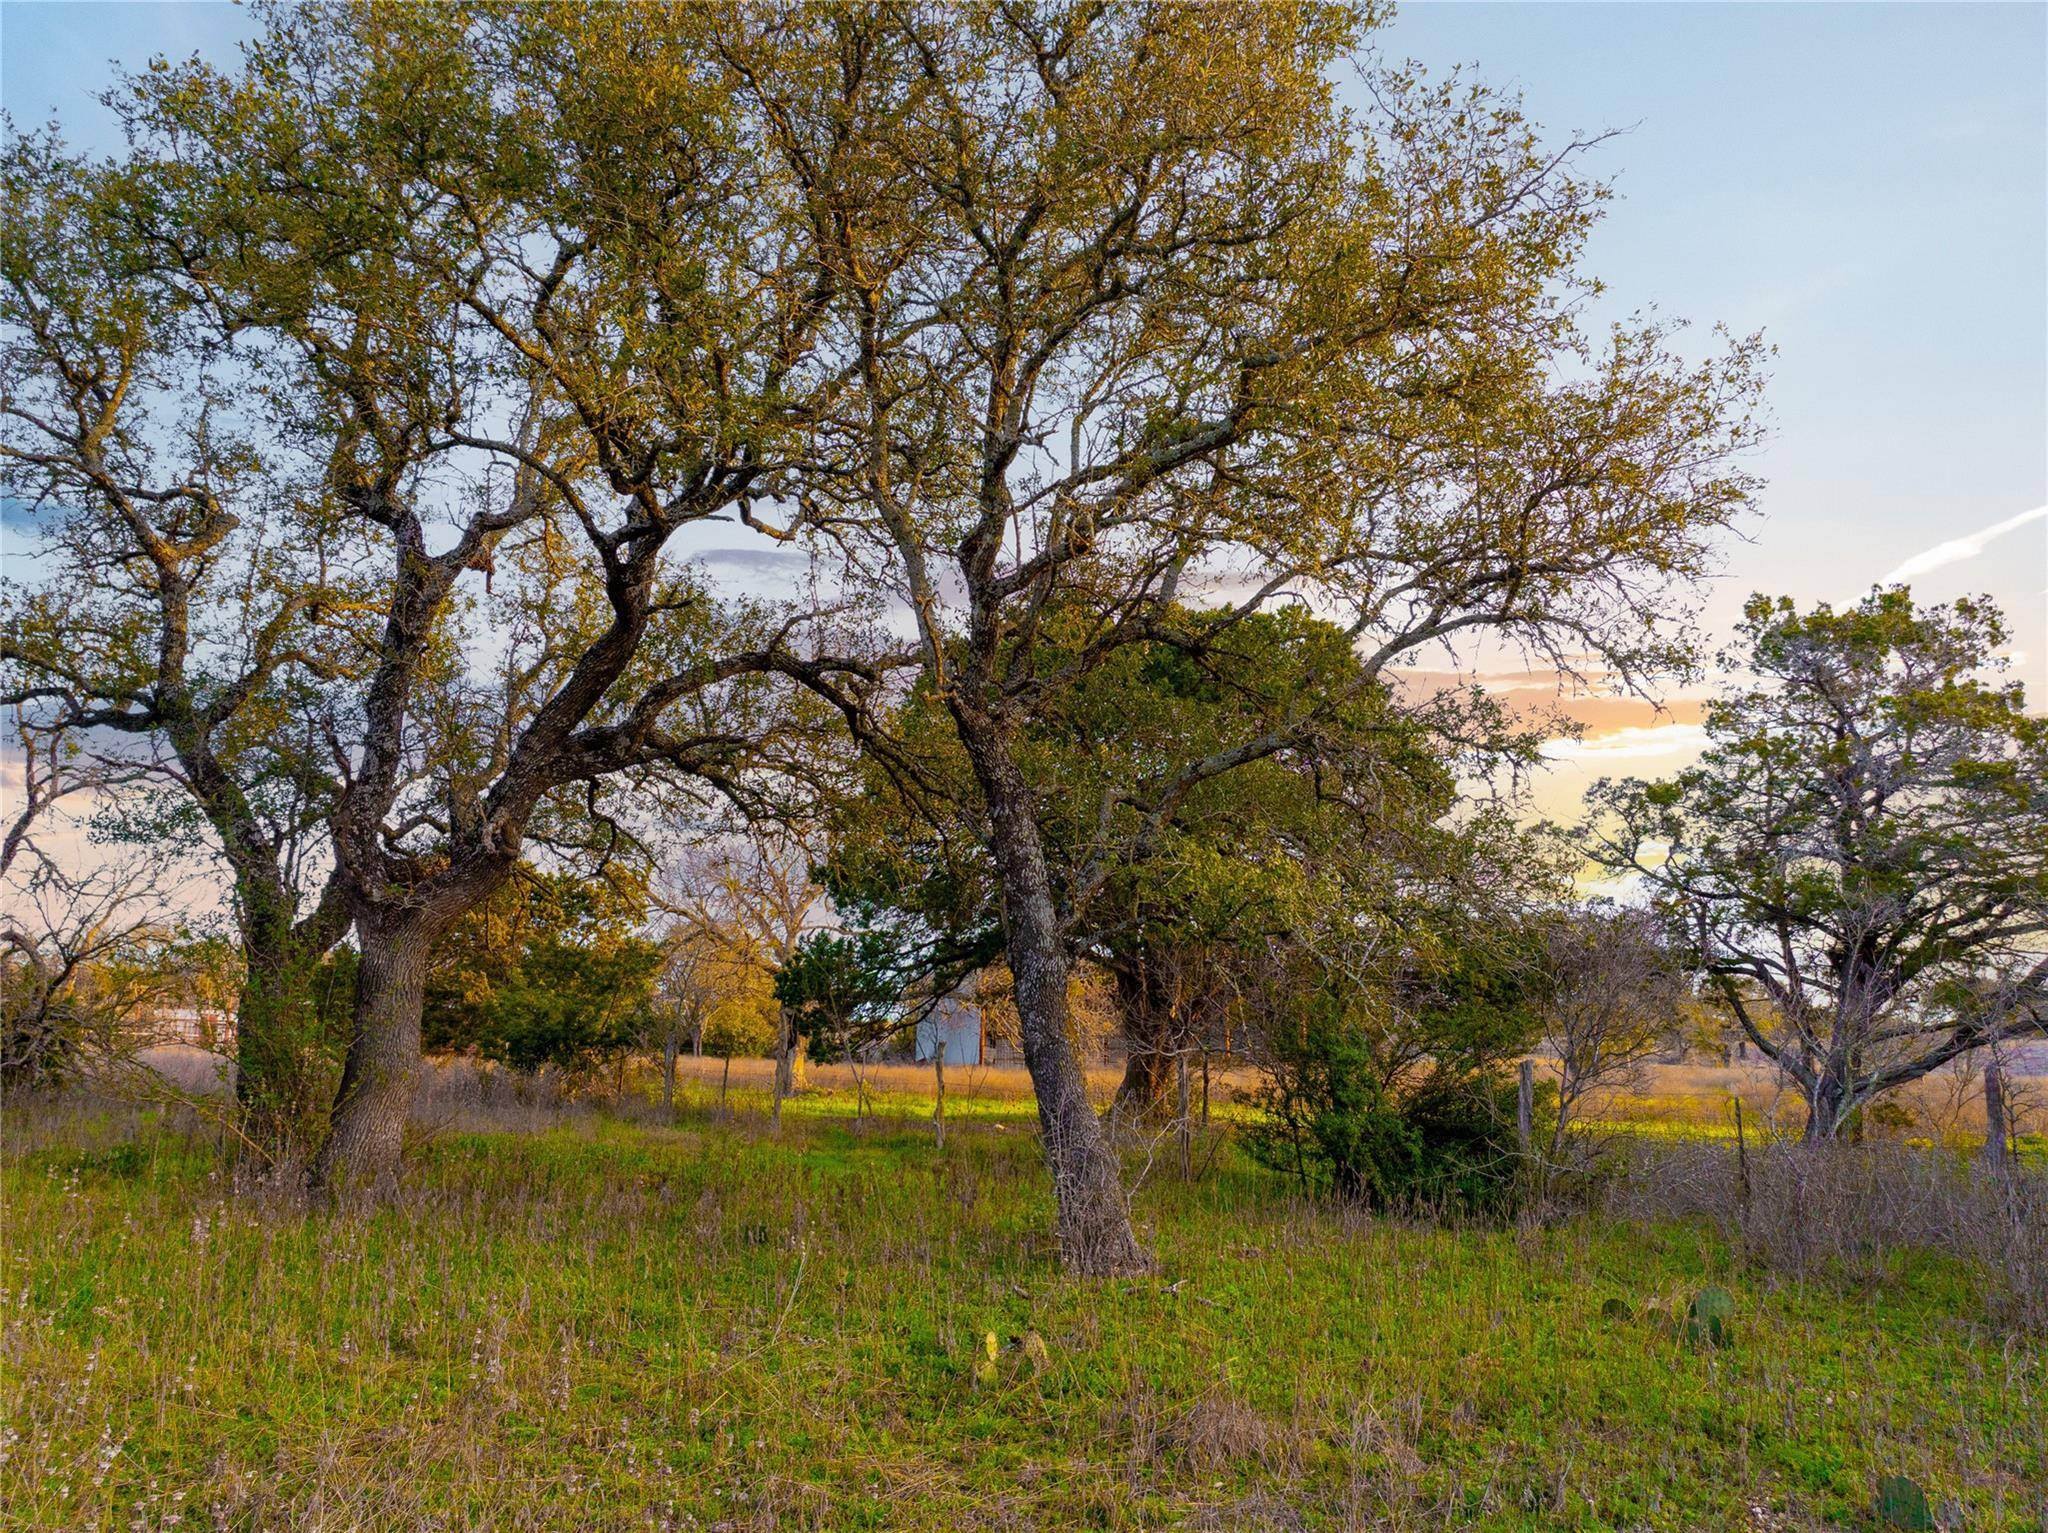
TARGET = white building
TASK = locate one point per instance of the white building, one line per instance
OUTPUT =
(953, 1024)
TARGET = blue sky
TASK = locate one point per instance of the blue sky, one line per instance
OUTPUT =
(1866, 183)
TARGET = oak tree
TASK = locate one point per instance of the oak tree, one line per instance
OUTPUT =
(1127, 311)
(493, 293)
(1858, 864)
(1186, 907)
(175, 593)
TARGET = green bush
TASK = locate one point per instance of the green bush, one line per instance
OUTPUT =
(1405, 1097)
(570, 1006)
(1328, 1117)
(551, 970)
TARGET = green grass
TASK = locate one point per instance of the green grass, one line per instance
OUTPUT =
(610, 1324)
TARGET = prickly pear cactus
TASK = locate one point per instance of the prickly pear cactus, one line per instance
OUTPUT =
(1902, 1504)
(1710, 1318)
(1035, 1351)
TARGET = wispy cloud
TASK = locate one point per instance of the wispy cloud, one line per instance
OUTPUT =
(1628, 743)
(1956, 550)
(762, 561)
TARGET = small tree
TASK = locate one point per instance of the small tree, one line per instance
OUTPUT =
(844, 991)
(551, 970)
(685, 991)
(78, 967)
(485, 952)
(573, 1005)
(749, 892)
(1614, 991)
(745, 1021)
(81, 946)
(1863, 845)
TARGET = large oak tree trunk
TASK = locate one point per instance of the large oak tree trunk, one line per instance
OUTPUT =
(1095, 1233)
(383, 1067)
(1150, 1045)
(284, 1063)
(283, 1071)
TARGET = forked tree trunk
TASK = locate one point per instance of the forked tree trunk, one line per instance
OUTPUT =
(1824, 1115)
(1142, 1092)
(383, 1067)
(1095, 1233)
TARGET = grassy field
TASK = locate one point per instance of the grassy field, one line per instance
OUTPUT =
(1944, 1108)
(595, 1321)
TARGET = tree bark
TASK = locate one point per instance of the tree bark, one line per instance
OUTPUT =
(671, 1044)
(1525, 1108)
(1184, 1126)
(1995, 1129)
(1824, 1115)
(1149, 1046)
(1096, 1239)
(785, 1062)
(284, 1066)
(383, 1067)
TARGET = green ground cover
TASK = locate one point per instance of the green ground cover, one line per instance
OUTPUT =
(621, 1324)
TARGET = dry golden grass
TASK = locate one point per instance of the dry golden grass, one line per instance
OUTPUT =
(1947, 1107)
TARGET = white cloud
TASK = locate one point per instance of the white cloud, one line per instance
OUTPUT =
(1956, 550)
(1628, 743)
(1628, 889)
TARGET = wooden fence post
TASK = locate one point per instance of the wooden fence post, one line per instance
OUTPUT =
(1187, 1151)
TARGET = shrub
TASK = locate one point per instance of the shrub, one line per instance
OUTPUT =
(1399, 1089)
(570, 1006)
(1331, 1114)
